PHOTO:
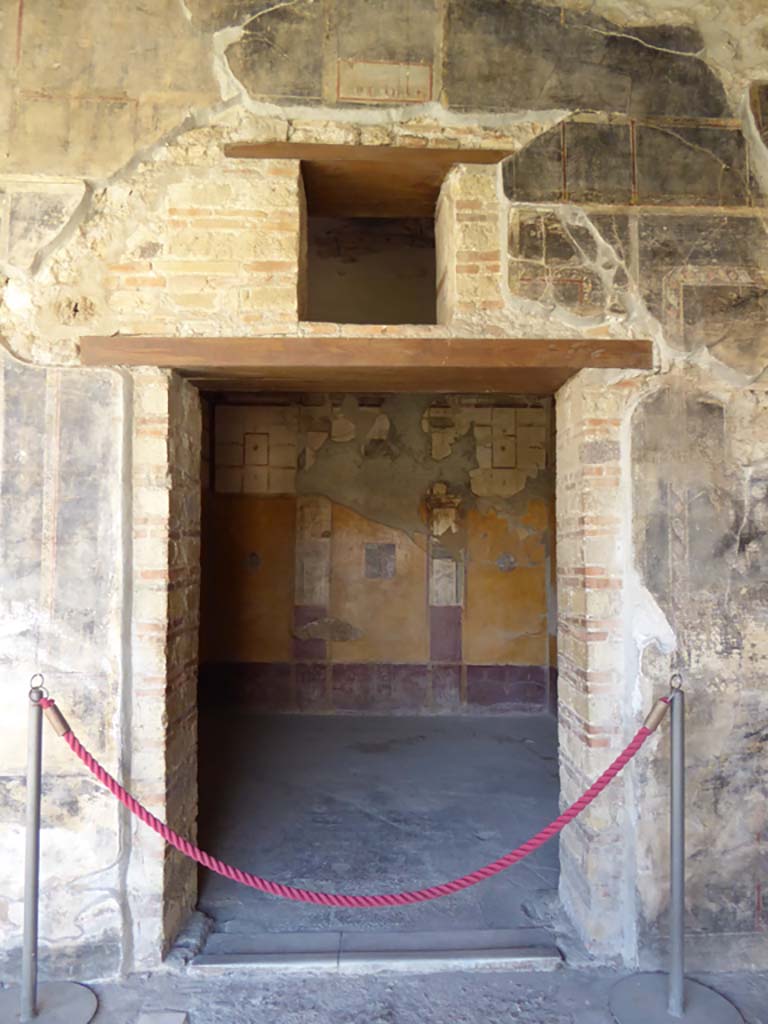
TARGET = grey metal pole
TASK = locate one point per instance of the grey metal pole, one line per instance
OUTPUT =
(653, 996)
(53, 1002)
(32, 863)
(677, 856)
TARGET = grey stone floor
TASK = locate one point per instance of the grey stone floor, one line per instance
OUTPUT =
(564, 997)
(374, 804)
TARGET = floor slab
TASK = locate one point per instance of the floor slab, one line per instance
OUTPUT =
(374, 804)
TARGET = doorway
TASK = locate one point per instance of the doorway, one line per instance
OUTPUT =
(377, 664)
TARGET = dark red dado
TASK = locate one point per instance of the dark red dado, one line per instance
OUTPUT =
(445, 633)
(316, 687)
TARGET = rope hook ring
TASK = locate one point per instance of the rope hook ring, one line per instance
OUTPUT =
(676, 682)
(37, 688)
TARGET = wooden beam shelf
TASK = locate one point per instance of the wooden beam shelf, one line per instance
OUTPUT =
(381, 364)
(368, 181)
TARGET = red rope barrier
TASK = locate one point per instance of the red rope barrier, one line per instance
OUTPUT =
(326, 899)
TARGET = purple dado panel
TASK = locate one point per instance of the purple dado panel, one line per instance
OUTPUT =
(445, 633)
(266, 686)
(446, 687)
(317, 687)
(366, 687)
(516, 687)
(311, 690)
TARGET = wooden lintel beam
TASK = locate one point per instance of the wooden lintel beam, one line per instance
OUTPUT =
(385, 352)
(444, 382)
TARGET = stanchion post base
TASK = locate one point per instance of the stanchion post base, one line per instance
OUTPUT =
(58, 1002)
(643, 998)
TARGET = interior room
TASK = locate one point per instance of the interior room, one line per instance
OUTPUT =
(377, 691)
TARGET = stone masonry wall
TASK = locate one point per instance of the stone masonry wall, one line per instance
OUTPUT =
(632, 206)
(161, 884)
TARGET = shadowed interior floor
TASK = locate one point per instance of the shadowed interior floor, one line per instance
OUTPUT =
(373, 804)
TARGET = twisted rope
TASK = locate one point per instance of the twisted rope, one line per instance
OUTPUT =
(327, 899)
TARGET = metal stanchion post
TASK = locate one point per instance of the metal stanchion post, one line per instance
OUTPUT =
(675, 1002)
(673, 998)
(58, 1002)
(32, 857)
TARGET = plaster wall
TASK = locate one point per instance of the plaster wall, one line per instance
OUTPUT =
(633, 206)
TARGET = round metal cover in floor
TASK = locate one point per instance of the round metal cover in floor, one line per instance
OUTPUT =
(58, 1002)
(642, 999)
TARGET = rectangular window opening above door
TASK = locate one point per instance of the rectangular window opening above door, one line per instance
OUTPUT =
(371, 270)
(368, 253)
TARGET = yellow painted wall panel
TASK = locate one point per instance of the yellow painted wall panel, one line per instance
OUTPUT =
(248, 556)
(391, 612)
(506, 601)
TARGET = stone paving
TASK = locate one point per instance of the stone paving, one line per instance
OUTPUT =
(568, 996)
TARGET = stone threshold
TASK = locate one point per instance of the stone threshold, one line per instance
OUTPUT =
(523, 949)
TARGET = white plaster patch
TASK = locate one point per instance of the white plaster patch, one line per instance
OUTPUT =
(17, 298)
(444, 583)
(229, 85)
(443, 520)
(649, 624)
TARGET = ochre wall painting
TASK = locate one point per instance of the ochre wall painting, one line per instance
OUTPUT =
(366, 553)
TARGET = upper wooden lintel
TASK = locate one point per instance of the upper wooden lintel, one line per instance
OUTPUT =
(369, 181)
(379, 364)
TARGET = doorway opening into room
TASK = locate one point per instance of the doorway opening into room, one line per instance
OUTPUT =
(377, 687)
